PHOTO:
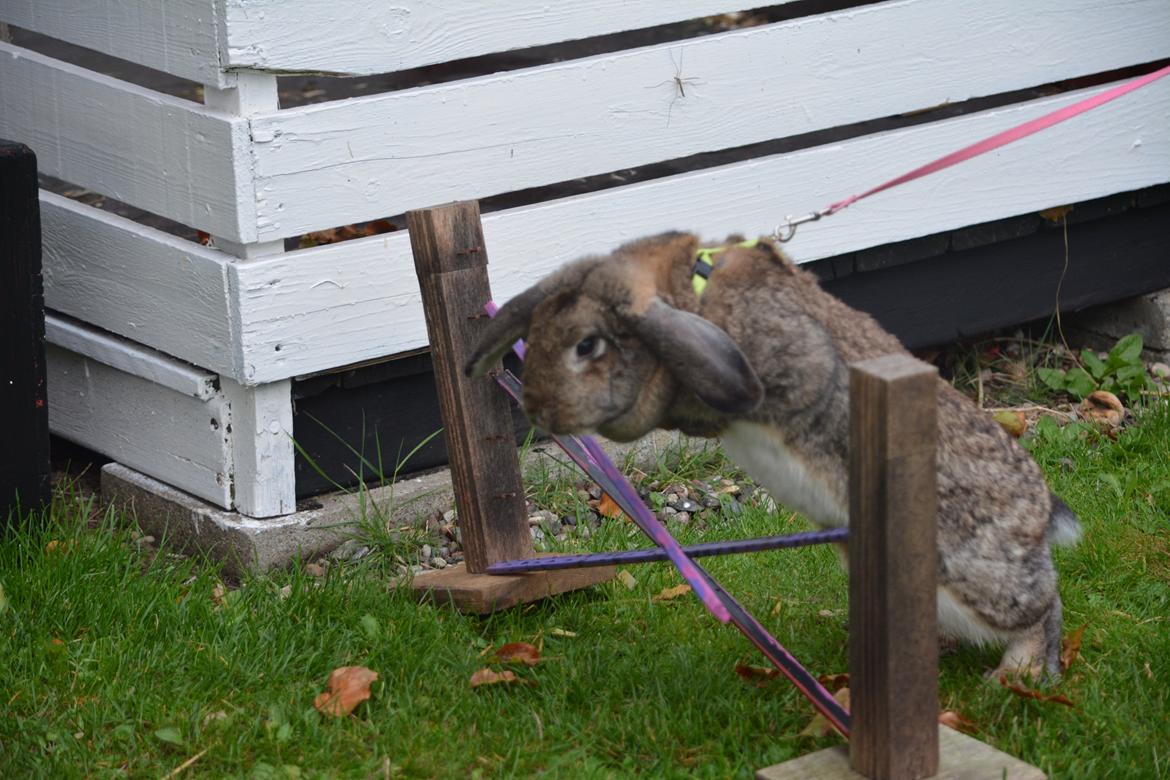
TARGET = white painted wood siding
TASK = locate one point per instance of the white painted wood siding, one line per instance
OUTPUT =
(175, 36)
(359, 300)
(335, 163)
(142, 423)
(159, 153)
(138, 282)
(363, 37)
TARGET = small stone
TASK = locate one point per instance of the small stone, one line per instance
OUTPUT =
(1160, 370)
(710, 502)
(449, 516)
(583, 531)
(438, 563)
(444, 551)
(688, 506)
(595, 492)
(537, 534)
(683, 517)
(551, 525)
(654, 485)
(583, 496)
(568, 520)
(425, 552)
(346, 550)
(416, 569)
(769, 504)
(534, 519)
(314, 570)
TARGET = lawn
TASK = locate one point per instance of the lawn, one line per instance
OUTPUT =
(120, 660)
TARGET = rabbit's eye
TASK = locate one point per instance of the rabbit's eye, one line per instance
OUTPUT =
(590, 346)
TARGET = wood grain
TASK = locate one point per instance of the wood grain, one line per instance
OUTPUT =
(893, 568)
(451, 262)
(355, 301)
(160, 153)
(180, 37)
(335, 163)
(479, 594)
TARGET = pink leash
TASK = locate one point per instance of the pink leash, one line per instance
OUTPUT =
(788, 230)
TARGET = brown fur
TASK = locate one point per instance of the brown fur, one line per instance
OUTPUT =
(778, 357)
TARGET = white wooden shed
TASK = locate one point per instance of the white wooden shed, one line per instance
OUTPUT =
(584, 124)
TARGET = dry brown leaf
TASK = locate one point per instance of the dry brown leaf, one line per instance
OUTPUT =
(1056, 213)
(756, 675)
(953, 720)
(518, 652)
(487, 676)
(1102, 406)
(607, 507)
(1027, 693)
(57, 546)
(1012, 421)
(349, 686)
(834, 682)
(669, 594)
(776, 609)
(819, 726)
(314, 570)
(1070, 648)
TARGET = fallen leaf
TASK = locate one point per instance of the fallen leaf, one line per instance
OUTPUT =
(219, 594)
(608, 507)
(518, 652)
(563, 632)
(670, 594)
(1012, 421)
(1149, 672)
(954, 720)
(627, 579)
(756, 675)
(1070, 648)
(1103, 407)
(55, 545)
(834, 682)
(1056, 213)
(825, 613)
(1027, 693)
(819, 726)
(314, 570)
(349, 686)
(487, 676)
(285, 592)
(776, 609)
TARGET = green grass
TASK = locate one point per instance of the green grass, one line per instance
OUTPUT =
(119, 662)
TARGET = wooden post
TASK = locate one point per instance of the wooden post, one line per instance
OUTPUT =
(24, 412)
(893, 568)
(451, 261)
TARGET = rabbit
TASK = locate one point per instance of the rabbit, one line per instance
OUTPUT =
(622, 344)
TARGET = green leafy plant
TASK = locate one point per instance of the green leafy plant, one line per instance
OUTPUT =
(1122, 372)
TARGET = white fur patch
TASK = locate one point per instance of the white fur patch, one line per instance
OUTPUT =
(763, 454)
(959, 621)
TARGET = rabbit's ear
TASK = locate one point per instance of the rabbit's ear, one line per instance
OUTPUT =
(700, 356)
(510, 323)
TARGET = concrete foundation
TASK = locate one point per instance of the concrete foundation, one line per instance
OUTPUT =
(240, 543)
(1101, 327)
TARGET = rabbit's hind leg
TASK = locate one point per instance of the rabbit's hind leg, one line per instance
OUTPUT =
(1035, 651)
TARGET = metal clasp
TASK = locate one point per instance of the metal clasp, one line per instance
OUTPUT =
(784, 233)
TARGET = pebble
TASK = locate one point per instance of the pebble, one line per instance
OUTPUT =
(1160, 370)
(584, 532)
(595, 492)
(426, 552)
(537, 534)
(438, 563)
(711, 502)
(583, 496)
(449, 516)
(568, 520)
(683, 517)
(688, 506)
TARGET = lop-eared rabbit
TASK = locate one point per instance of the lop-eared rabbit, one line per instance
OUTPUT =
(623, 344)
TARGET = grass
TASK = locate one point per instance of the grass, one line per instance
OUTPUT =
(122, 662)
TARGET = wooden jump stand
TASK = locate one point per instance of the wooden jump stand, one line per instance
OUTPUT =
(893, 649)
(451, 261)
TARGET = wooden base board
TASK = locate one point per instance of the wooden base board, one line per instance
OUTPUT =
(479, 594)
(960, 758)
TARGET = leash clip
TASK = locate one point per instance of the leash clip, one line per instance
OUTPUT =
(785, 232)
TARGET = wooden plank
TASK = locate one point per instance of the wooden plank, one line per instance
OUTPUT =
(358, 37)
(893, 568)
(24, 415)
(129, 357)
(263, 473)
(174, 437)
(961, 758)
(180, 37)
(138, 282)
(319, 308)
(163, 154)
(451, 262)
(479, 594)
(335, 163)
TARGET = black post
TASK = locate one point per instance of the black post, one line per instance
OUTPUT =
(24, 412)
